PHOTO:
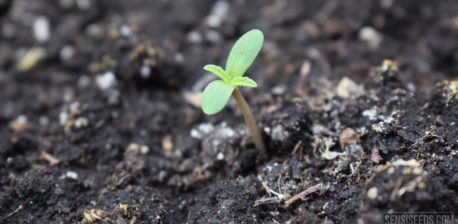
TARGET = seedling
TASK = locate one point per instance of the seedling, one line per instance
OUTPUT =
(218, 92)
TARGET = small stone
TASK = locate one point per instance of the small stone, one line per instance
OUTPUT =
(125, 31)
(81, 122)
(19, 124)
(371, 36)
(41, 29)
(372, 193)
(371, 114)
(347, 137)
(106, 80)
(279, 90)
(220, 156)
(375, 156)
(212, 35)
(178, 57)
(167, 143)
(144, 149)
(348, 89)
(218, 13)
(63, 117)
(194, 37)
(206, 128)
(319, 129)
(391, 170)
(84, 81)
(225, 132)
(43, 120)
(67, 52)
(195, 133)
(145, 71)
(71, 175)
(279, 133)
(21, 119)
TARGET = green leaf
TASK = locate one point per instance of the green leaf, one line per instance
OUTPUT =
(243, 81)
(218, 71)
(244, 52)
(215, 96)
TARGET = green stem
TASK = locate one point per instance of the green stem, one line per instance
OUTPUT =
(249, 118)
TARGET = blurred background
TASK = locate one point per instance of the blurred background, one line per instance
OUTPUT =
(56, 51)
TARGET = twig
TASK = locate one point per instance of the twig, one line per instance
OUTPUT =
(304, 193)
(13, 212)
(270, 191)
(296, 147)
(51, 159)
(303, 74)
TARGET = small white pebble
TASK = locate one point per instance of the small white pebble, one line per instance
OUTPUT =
(212, 36)
(67, 52)
(371, 114)
(43, 120)
(145, 71)
(218, 12)
(194, 37)
(84, 81)
(371, 36)
(21, 119)
(279, 133)
(225, 132)
(144, 149)
(71, 175)
(125, 31)
(220, 156)
(106, 80)
(347, 88)
(63, 117)
(178, 57)
(195, 133)
(279, 90)
(41, 29)
(213, 21)
(372, 193)
(325, 205)
(81, 122)
(206, 128)
(391, 170)
(133, 146)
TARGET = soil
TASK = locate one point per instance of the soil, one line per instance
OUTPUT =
(100, 119)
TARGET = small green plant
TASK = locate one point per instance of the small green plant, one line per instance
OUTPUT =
(218, 92)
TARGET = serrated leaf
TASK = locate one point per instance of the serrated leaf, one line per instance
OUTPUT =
(243, 81)
(244, 52)
(215, 96)
(218, 71)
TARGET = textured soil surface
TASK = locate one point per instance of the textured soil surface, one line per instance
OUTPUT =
(100, 118)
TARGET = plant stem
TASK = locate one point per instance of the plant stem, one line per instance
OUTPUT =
(249, 118)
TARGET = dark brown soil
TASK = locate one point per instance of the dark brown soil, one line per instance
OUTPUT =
(100, 119)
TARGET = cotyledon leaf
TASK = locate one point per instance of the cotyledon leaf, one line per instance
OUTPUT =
(218, 71)
(243, 81)
(244, 52)
(215, 96)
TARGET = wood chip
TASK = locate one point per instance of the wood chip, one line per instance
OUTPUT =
(304, 193)
(375, 156)
(51, 159)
